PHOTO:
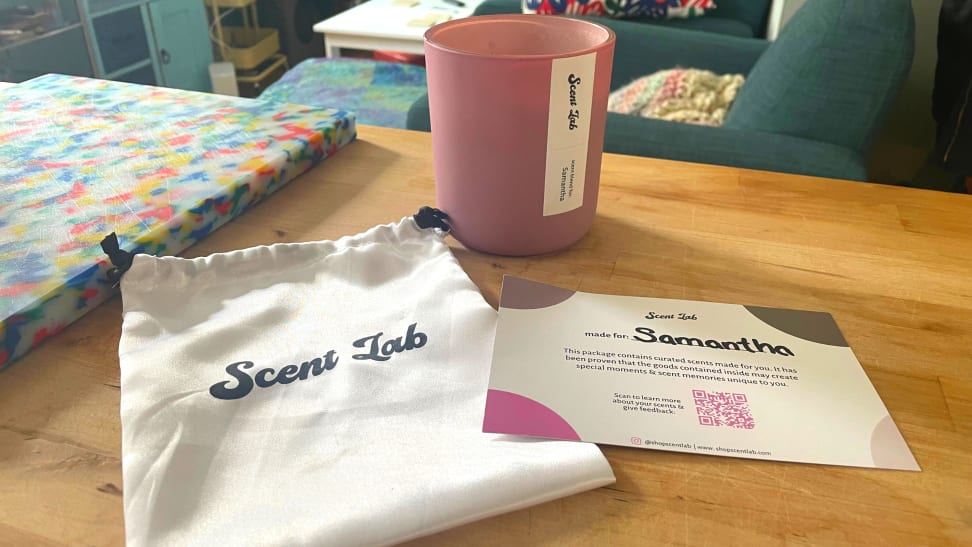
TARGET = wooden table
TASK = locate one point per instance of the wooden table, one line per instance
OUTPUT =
(893, 265)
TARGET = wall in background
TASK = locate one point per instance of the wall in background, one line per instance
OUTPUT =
(909, 135)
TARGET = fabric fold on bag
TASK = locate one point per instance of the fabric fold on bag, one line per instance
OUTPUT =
(324, 393)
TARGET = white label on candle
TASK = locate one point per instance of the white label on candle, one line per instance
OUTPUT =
(568, 132)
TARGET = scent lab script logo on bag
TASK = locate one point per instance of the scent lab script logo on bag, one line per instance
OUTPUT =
(376, 349)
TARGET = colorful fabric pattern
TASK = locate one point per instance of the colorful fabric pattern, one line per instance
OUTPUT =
(379, 93)
(622, 9)
(679, 95)
(81, 158)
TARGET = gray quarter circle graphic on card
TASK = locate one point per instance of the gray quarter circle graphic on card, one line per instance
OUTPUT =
(523, 294)
(813, 326)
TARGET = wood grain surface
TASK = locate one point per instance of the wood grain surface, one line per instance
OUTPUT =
(893, 265)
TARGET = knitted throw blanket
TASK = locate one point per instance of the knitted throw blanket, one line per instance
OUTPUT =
(679, 95)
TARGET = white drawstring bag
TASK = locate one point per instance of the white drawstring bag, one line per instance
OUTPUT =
(326, 393)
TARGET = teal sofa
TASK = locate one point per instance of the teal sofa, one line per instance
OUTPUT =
(746, 18)
(812, 102)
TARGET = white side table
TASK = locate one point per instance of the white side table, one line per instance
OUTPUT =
(383, 25)
(780, 13)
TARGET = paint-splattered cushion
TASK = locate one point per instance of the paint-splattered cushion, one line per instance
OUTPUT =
(655, 9)
(378, 92)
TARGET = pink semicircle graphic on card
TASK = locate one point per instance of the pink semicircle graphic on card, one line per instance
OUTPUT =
(518, 415)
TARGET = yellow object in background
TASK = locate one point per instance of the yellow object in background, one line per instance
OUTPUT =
(429, 20)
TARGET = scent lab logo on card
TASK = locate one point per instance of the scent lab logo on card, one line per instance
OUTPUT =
(377, 348)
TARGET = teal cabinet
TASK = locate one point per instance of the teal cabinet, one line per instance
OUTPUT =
(65, 52)
(182, 43)
(157, 42)
(122, 43)
(41, 36)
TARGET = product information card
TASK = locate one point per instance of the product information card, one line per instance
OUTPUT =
(699, 377)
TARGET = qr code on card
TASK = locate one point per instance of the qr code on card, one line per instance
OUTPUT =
(723, 408)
